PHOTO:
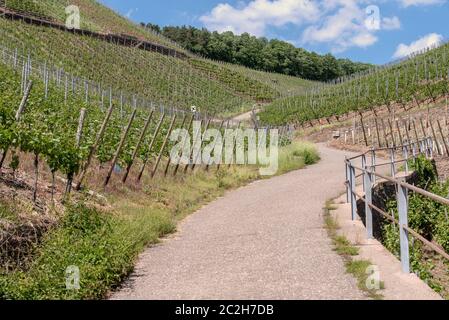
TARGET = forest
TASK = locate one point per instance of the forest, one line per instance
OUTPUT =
(260, 53)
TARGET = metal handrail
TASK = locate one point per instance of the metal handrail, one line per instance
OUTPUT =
(369, 174)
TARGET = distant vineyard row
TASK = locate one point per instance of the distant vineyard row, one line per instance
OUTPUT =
(414, 81)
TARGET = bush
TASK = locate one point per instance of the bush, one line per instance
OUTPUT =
(427, 217)
(103, 246)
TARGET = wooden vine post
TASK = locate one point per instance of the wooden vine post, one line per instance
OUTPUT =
(197, 136)
(215, 144)
(384, 131)
(444, 138)
(179, 162)
(423, 128)
(222, 147)
(19, 112)
(137, 148)
(238, 128)
(401, 140)
(153, 140)
(201, 145)
(156, 165)
(167, 166)
(79, 133)
(416, 134)
(390, 125)
(93, 148)
(407, 129)
(24, 101)
(435, 138)
(379, 143)
(363, 129)
(120, 147)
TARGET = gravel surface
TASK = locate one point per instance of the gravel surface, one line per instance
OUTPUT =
(262, 241)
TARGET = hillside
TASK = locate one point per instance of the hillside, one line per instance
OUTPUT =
(260, 53)
(416, 81)
(105, 148)
(214, 88)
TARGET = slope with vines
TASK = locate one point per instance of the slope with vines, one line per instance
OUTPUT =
(417, 80)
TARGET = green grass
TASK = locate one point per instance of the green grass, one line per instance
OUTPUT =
(214, 88)
(344, 247)
(100, 244)
(298, 152)
(104, 243)
(355, 267)
(358, 268)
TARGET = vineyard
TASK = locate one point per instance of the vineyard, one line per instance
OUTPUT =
(415, 82)
(86, 123)
(215, 88)
(94, 17)
(92, 103)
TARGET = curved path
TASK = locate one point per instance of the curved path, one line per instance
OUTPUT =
(262, 241)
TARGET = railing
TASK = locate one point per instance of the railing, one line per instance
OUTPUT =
(369, 174)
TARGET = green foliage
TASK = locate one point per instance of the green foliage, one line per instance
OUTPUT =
(344, 247)
(412, 82)
(48, 127)
(260, 53)
(26, 5)
(103, 247)
(44, 129)
(358, 268)
(214, 88)
(425, 170)
(297, 155)
(425, 216)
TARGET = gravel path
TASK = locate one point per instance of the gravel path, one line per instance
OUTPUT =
(262, 241)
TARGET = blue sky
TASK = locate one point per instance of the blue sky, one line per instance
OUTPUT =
(375, 31)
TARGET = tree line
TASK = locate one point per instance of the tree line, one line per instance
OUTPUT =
(260, 53)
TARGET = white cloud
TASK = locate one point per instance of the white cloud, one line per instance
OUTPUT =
(427, 41)
(257, 15)
(340, 23)
(409, 3)
(391, 23)
(352, 24)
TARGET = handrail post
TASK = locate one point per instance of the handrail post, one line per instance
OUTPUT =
(430, 142)
(368, 183)
(392, 164)
(364, 168)
(348, 186)
(373, 164)
(402, 198)
(352, 182)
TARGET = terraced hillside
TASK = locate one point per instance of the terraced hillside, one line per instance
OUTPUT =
(94, 17)
(422, 78)
(214, 88)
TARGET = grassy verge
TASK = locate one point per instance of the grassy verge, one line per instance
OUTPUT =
(104, 242)
(298, 154)
(358, 268)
